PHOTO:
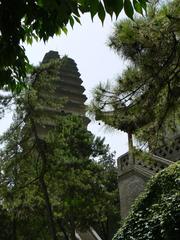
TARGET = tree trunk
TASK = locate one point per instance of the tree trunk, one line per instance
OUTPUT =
(107, 229)
(73, 235)
(130, 145)
(41, 147)
(72, 230)
(63, 230)
(104, 231)
(14, 227)
(49, 208)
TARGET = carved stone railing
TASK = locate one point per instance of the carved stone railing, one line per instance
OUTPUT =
(133, 173)
(147, 167)
(170, 151)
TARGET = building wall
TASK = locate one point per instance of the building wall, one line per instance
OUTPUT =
(130, 186)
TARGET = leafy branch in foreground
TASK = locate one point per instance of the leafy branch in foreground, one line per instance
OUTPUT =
(27, 20)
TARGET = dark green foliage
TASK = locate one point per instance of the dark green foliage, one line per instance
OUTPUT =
(82, 192)
(25, 20)
(6, 226)
(128, 8)
(50, 183)
(156, 213)
(146, 96)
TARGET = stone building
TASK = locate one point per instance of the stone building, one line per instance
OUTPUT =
(133, 175)
(67, 88)
(66, 85)
(133, 171)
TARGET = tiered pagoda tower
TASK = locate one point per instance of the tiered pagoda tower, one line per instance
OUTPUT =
(66, 84)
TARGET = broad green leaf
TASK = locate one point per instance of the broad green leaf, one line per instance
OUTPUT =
(58, 32)
(118, 6)
(113, 6)
(71, 21)
(109, 6)
(77, 19)
(64, 29)
(94, 4)
(137, 6)
(128, 8)
(143, 4)
(101, 12)
(74, 8)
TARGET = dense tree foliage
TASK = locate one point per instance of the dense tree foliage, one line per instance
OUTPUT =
(24, 20)
(50, 183)
(147, 94)
(156, 213)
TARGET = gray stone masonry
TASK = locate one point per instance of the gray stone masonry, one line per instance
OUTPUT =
(132, 178)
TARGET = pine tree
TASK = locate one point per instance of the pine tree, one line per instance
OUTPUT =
(145, 98)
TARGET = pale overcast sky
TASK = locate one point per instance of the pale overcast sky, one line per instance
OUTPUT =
(87, 45)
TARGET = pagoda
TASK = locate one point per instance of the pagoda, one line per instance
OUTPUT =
(67, 85)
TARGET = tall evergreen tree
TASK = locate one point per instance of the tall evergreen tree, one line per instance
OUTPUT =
(50, 183)
(146, 96)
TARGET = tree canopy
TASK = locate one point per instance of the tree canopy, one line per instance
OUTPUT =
(147, 94)
(25, 20)
(50, 182)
